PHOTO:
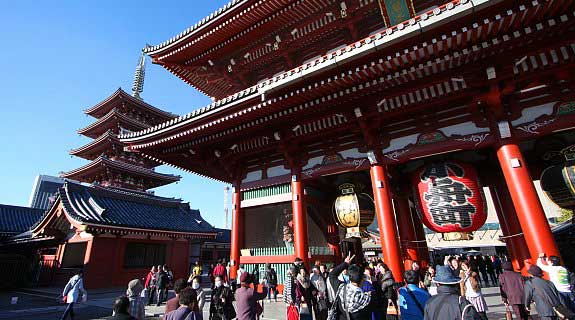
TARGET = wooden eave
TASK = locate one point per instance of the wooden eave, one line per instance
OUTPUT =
(98, 146)
(208, 70)
(122, 230)
(344, 67)
(112, 121)
(100, 164)
(120, 96)
(494, 38)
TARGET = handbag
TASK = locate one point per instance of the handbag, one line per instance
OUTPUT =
(391, 308)
(304, 312)
(508, 313)
(292, 312)
(561, 310)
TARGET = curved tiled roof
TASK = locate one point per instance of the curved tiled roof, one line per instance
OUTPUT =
(110, 120)
(104, 207)
(376, 41)
(15, 220)
(103, 162)
(105, 105)
(186, 33)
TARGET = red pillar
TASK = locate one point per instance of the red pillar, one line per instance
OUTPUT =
(386, 221)
(530, 213)
(510, 225)
(299, 219)
(333, 241)
(236, 233)
(421, 241)
(406, 230)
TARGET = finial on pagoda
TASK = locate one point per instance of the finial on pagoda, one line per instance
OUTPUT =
(138, 83)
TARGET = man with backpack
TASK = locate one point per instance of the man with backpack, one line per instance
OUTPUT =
(271, 278)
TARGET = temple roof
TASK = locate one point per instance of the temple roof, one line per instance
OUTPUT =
(96, 147)
(120, 96)
(87, 172)
(113, 120)
(102, 208)
(15, 220)
(44, 191)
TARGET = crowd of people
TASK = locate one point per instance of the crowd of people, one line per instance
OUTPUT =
(349, 291)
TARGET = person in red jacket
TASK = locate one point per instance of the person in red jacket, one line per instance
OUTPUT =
(220, 271)
(150, 284)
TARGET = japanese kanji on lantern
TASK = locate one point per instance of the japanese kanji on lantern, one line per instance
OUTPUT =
(449, 198)
(353, 210)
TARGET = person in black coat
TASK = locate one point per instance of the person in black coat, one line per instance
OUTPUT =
(448, 303)
(221, 307)
(542, 292)
(162, 284)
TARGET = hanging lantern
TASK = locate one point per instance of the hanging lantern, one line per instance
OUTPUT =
(558, 181)
(449, 197)
(353, 210)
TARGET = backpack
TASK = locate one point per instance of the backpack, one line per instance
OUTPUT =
(272, 276)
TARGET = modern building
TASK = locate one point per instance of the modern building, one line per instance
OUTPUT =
(44, 191)
(417, 104)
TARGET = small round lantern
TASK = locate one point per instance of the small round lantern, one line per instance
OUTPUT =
(449, 198)
(352, 209)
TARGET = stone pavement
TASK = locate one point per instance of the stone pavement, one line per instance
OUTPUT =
(41, 304)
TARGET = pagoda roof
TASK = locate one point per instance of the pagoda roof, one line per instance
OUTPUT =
(15, 220)
(120, 96)
(97, 146)
(107, 210)
(111, 121)
(100, 164)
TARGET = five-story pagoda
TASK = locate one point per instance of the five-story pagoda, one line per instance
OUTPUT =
(111, 165)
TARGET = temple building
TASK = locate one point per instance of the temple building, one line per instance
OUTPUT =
(392, 114)
(103, 217)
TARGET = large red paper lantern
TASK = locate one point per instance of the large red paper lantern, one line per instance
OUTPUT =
(449, 198)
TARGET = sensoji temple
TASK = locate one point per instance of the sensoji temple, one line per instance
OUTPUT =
(104, 219)
(325, 105)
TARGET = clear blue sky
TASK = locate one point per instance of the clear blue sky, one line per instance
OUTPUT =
(58, 58)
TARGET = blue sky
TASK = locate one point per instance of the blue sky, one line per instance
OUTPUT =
(58, 58)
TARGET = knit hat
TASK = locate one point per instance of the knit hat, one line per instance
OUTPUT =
(135, 287)
(507, 266)
(535, 271)
(244, 277)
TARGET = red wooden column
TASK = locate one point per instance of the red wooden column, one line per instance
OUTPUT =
(299, 219)
(510, 225)
(406, 229)
(530, 213)
(421, 241)
(237, 231)
(386, 220)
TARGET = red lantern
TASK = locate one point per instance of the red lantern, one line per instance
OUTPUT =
(449, 198)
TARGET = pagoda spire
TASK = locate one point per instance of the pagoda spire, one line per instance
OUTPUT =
(138, 83)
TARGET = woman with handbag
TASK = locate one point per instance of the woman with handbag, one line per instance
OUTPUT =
(304, 292)
(471, 290)
(74, 292)
(387, 282)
